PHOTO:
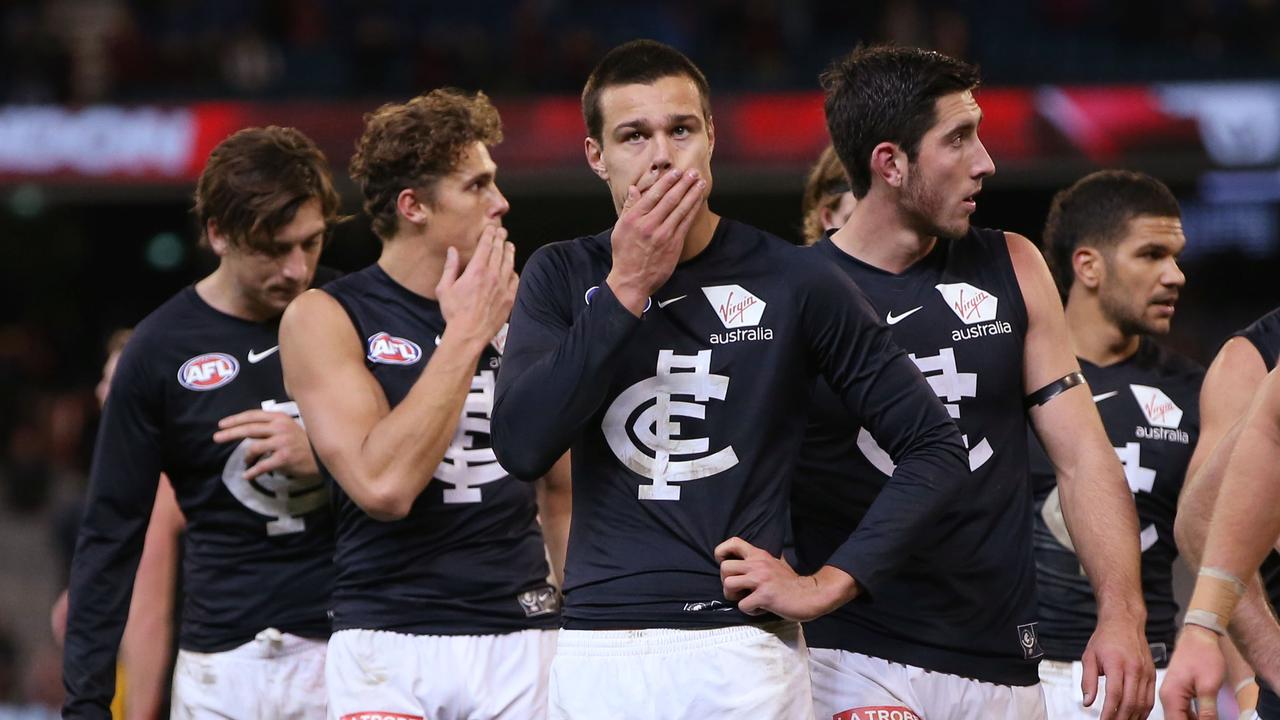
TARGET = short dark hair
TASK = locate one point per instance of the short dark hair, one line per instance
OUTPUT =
(256, 180)
(1095, 212)
(414, 144)
(637, 62)
(885, 93)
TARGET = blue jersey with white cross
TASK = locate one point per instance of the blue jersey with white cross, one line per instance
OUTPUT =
(964, 602)
(685, 422)
(257, 553)
(469, 558)
(1150, 407)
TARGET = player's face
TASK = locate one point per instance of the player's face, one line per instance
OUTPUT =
(942, 184)
(268, 280)
(467, 201)
(1142, 279)
(648, 129)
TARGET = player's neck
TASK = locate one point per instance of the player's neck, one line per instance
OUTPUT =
(877, 234)
(700, 233)
(1094, 337)
(220, 291)
(414, 263)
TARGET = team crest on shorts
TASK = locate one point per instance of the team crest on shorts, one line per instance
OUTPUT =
(879, 712)
(208, 371)
(1030, 641)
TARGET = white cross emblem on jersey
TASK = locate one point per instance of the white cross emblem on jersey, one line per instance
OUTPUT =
(656, 431)
(1140, 479)
(464, 467)
(951, 386)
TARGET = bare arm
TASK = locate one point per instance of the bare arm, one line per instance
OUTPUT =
(145, 649)
(1096, 501)
(1229, 387)
(383, 457)
(555, 505)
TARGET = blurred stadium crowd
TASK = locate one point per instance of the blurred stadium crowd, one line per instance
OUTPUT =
(81, 51)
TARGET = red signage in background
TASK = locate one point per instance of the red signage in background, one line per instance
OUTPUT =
(1034, 127)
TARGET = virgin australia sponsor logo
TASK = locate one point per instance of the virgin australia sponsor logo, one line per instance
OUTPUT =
(1164, 416)
(739, 311)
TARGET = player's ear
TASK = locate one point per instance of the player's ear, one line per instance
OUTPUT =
(1089, 267)
(219, 243)
(889, 163)
(595, 157)
(711, 136)
(413, 207)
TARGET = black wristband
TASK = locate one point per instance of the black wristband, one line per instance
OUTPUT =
(1053, 389)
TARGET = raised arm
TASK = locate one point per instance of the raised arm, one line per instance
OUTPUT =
(555, 371)
(383, 457)
(1096, 500)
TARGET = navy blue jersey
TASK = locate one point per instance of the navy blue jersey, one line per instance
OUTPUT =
(257, 554)
(469, 558)
(684, 423)
(964, 603)
(1150, 407)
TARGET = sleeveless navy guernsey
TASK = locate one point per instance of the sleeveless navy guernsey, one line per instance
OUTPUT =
(684, 423)
(256, 554)
(469, 558)
(963, 602)
(1150, 407)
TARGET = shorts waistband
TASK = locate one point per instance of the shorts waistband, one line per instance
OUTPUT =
(665, 641)
(270, 643)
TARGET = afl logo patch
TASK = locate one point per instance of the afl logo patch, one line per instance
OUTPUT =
(390, 350)
(208, 371)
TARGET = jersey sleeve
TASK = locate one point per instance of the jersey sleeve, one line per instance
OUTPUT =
(122, 487)
(879, 385)
(555, 369)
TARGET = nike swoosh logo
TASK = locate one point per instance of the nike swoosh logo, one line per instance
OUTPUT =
(895, 319)
(1105, 395)
(664, 303)
(255, 358)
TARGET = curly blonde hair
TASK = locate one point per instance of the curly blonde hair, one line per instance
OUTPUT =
(827, 182)
(414, 144)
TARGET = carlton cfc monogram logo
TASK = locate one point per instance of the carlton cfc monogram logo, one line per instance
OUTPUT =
(388, 349)
(274, 494)
(642, 434)
(208, 371)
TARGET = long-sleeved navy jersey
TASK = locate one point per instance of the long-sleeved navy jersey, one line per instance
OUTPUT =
(469, 558)
(684, 423)
(257, 554)
(1150, 407)
(964, 603)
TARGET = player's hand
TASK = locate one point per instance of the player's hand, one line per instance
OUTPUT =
(759, 582)
(1119, 651)
(650, 233)
(476, 302)
(277, 443)
(1195, 673)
